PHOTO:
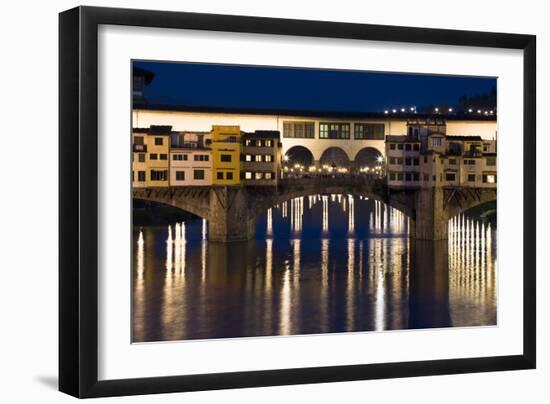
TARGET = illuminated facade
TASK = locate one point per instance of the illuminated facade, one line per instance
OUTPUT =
(261, 158)
(428, 157)
(150, 156)
(350, 133)
(226, 155)
(190, 159)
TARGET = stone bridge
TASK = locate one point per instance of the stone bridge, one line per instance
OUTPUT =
(231, 211)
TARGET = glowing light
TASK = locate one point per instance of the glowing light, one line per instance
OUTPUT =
(436, 109)
(386, 111)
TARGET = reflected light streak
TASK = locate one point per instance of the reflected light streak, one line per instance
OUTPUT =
(380, 302)
(351, 215)
(470, 271)
(284, 314)
(270, 221)
(325, 213)
(324, 283)
(350, 307)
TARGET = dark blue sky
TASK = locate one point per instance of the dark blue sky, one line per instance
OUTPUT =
(192, 84)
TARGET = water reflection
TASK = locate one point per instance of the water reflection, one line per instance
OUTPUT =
(325, 263)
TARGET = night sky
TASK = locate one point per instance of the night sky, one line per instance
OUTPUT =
(232, 86)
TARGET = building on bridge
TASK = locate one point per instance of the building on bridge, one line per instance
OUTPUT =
(150, 151)
(190, 159)
(314, 138)
(428, 157)
(226, 155)
(261, 158)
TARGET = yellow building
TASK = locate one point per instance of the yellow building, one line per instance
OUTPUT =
(226, 155)
(150, 163)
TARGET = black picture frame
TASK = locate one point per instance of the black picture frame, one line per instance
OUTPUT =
(78, 201)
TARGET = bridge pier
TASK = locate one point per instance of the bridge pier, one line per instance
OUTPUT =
(229, 219)
(430, 221)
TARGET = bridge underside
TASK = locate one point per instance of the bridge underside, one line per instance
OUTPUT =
(231, 211)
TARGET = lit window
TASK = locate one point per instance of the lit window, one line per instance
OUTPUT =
(258, 176)
(268, 176)
(268, 158)
(258, 157)
(248, 157)
(268, 143)
(436, 141)
(248, 175)
(489, 178)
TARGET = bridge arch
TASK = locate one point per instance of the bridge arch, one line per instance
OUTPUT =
(299, 155)
(459, 200)
(368, 157)
(335, 157)
(194, 200)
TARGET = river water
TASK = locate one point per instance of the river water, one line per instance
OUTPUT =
(318, 264)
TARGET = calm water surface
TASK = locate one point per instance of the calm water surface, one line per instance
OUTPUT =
(319, 264)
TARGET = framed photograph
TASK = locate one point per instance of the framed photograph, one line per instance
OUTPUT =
(252, 201)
